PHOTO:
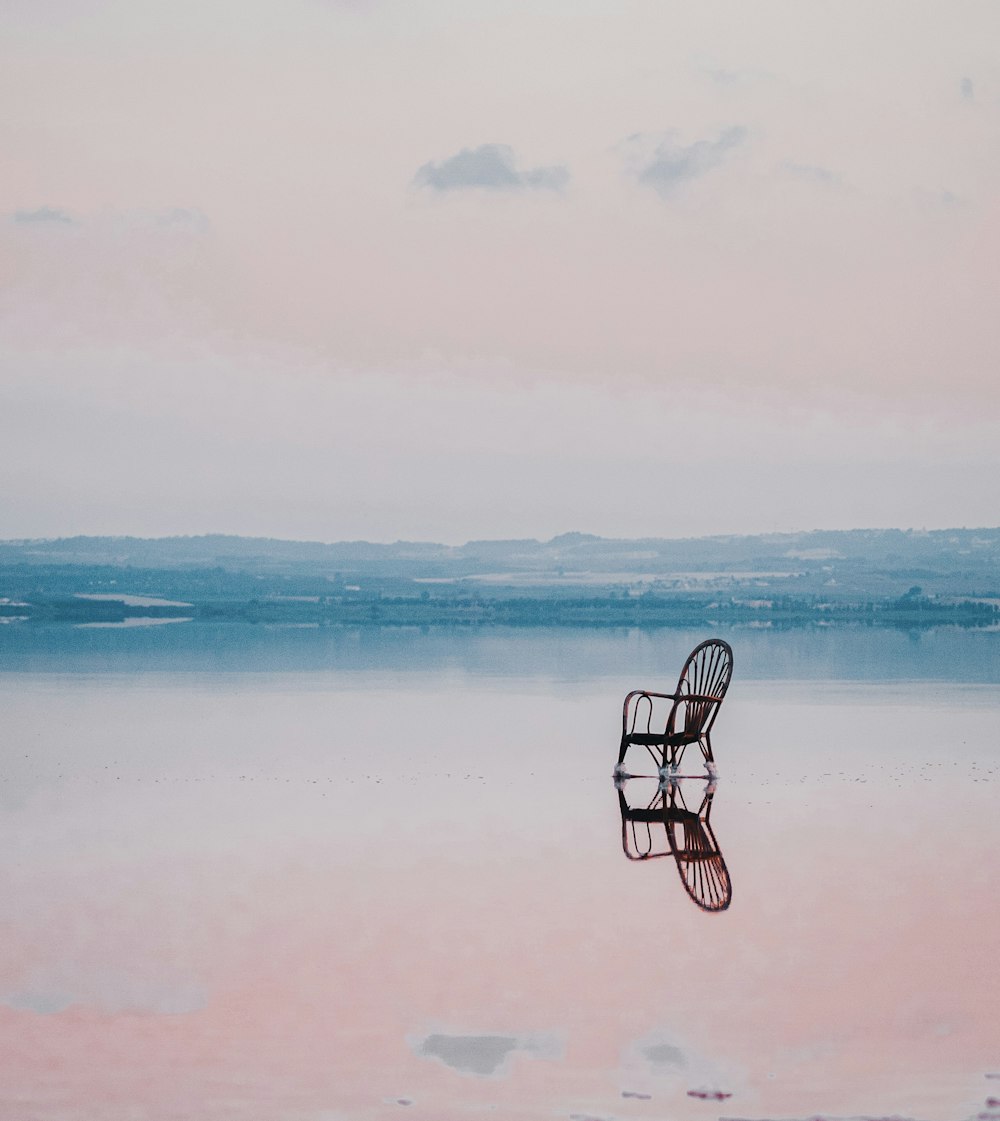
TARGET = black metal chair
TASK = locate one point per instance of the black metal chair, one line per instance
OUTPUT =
(688, 837)
(694, 705)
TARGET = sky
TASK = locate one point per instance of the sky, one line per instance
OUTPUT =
(457, 269)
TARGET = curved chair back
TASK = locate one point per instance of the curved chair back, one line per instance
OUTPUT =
(700, 864)
(706, 675)
(687, 836)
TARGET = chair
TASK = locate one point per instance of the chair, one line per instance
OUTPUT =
(688, 837)
(694, 706)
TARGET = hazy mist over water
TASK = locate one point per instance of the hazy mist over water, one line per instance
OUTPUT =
(950, 654)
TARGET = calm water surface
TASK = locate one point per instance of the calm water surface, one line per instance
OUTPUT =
(356, 879)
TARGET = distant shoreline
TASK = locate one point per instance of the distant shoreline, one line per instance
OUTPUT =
(881, 578)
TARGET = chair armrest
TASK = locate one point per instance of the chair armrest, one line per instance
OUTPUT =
(642, 693)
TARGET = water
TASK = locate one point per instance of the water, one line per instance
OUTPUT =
(335, 876)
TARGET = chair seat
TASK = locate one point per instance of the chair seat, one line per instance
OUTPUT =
(652, 739)
(659, 814)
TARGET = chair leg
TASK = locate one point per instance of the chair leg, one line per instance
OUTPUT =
(706, 748)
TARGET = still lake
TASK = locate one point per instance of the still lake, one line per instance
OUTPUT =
(328, 875)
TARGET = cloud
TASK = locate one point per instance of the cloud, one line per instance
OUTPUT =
(44, 215)
(725, 77)
(664, 1055)
(169, 220)
(736, 79)
(109, 992)
(940, 198)
(968, 89)
(41, 1003)
(661, 162)
(470, 1054)
(812, 173)
(660, 1059)
(175, 218)
(484, 1055)
(489, 167)
(182, 218)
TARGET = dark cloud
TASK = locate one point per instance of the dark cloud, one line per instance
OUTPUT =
(489, 167)
(470, 1054)
(44, 215)
(968, 89)
(664, 1055)
(484, 1055)
(664, 164)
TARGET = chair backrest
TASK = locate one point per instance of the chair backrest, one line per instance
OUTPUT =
(696, 851)
(706, 673)
(687, 836)
(700, 865)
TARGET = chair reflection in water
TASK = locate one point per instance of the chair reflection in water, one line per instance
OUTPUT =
(686, 715)
(688, 837)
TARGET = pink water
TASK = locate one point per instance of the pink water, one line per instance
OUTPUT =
(303, 897)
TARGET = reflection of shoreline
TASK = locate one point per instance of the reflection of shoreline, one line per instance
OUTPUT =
(819, 660)
(688, 837)
(487, 607)
(131, 600)
(133, 621)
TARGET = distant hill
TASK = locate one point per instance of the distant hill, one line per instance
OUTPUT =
(941, 552)
(886, 577)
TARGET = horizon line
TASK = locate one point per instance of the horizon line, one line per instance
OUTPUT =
(559, 537)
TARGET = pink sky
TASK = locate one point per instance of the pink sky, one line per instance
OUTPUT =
(233, 296)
